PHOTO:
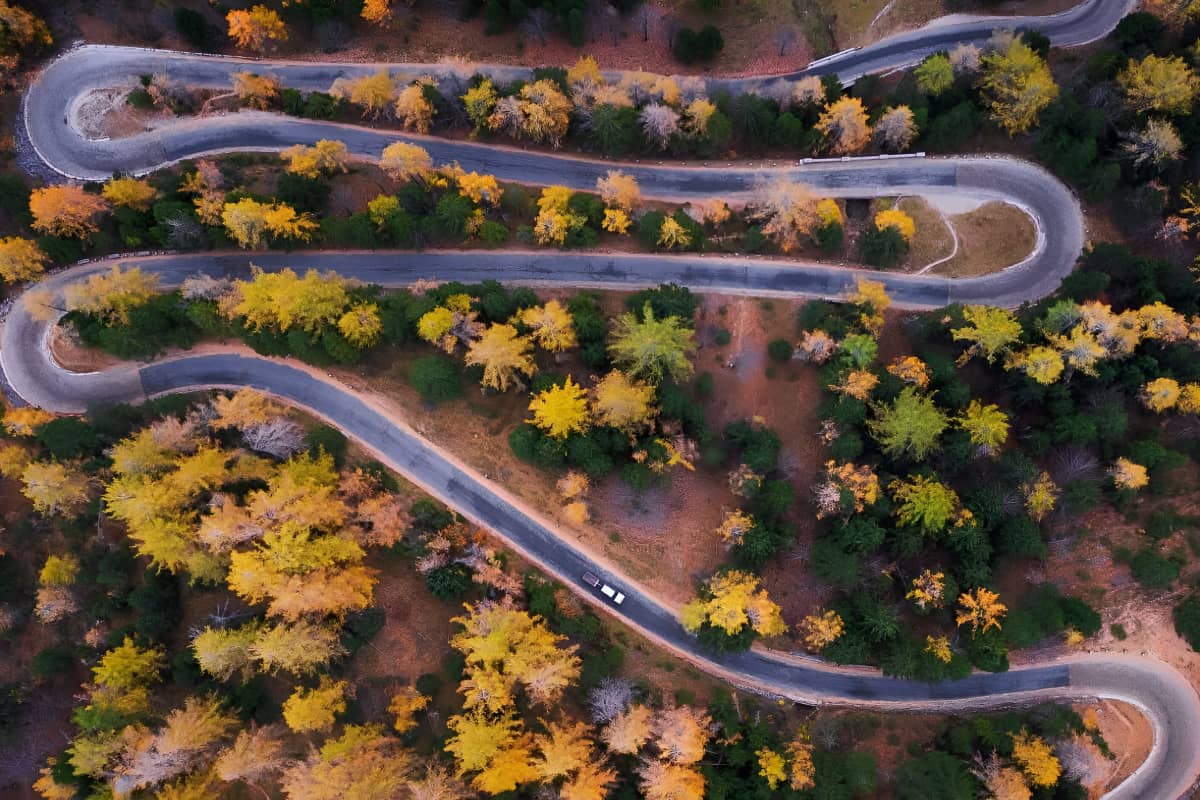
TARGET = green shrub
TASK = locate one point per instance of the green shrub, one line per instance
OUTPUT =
(1152, 570)
(194, 29)
(437, 378)
(780, 350)
(882, 248)
(1187, 621)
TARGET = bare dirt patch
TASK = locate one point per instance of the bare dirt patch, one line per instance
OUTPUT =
(74, 356)
(990, 238)
(933, 241)
(105, 114)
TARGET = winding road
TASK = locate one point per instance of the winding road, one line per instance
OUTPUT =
(30, 373)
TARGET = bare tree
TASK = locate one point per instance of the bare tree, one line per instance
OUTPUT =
(611, 697)
(280, 437)
(538, 22)
(785, 37)
(183, 232)
(203, 287)
(659, 123)
(1155, 146)
(645, 17)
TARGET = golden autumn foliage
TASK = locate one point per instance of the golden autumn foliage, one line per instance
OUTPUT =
(1160, 394)
(981, 609)
(252, 29)
(404, 707)
(1043, 364)
(1128, 474)
(821, 630)
(928, 590)
(130, 192)
(113, 294)
(859, 485)
(628, 731)
(616, 221)
(561, 410)
(788, 211)
(623, 403)
(895, 218)
(20, 259)
(375, 93)
(619, 190)
(315, 709)
(324, 158)
(844, 125)
(255, 91)
(361, 325)
(939, 648)
(873, 298)
(1037, 760)
(249, 222)
(990, 331)
(1156, 83)
(1041, 496)
(986, 425)
(857, 383)
(24, 421)
(65, 210)
(732, 601)
(54, 488)
(504, 355)
(413, 108)
(406, 162)
(377, 12)
(551, 326)
(283, 299)
(910, 369)
(772, 766)
(927, 503)
(735, 526)
(672, 235)
(1017, 86)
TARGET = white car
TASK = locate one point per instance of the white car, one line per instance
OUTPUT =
(612, 594)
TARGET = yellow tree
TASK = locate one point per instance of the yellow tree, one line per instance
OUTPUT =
(672, 235)
(404, 707)
(252, 29)
(986, 425)
(113, 294)
(844, 125)
(25, 421)
(561, 410)
(315, 709)
(20, 259)
(360, 764)
(927, 503)
(788, 211)
(406, 162)
(361, 325)
(628, 731)
(895, 218)
(872, 297)
(503, 354)
(54, 488)
(551, 325)
(802, 774)
(910, 369)
(845, 488)
(130, 192)
(249, 222)
(65, 211)
(479, 102)
(300, 648)
(255, 91)
(1156, 83)
(413, 108)
(821, 630)
(282, 299)
(225, 652)
(623, 403)
(1160, 394)
(730, 602)
(253, 757)
(479, 188)
(735, 526)
(619, 190)
(928, 590)
(1042, 364)
(772, 766)
(563, 749)
(981, 609)
(1037, 760)
(375, 93)
(324, 158)
(1041, 495)
(1017, 86)
(652, 349)
(666, 781)
(1128, 474)
(377, 12)
(681, 734)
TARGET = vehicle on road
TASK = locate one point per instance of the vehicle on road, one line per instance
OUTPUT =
(612, 594)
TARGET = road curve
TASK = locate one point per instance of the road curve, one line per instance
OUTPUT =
(1168, 701)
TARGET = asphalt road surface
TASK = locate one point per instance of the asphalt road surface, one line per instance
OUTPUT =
(1167, 699)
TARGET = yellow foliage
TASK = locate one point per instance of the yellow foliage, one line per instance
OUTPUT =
(615, 221)
(1127, 474)
(577, 513)
(1041, 495)
(585, 70)
(939, 648)
(731, 601)
(1017, 86)
(404, 707)
(895, 218)
(324, 158)
(1036, 758)
(316, 709)
(844, 125)
(1043, 364)
(986, 425)
(663, 781)
(249, 222)
(861, 483)
(552, 326)
(252, 29)
(377, 12)
(361, 325)
(13, 460)
(821, 630)
(503, 354)
(561, 410)
(735, 526)
(991, 331)
(22, 260)
(873, 296)
(479, 102)
(375, 93)
(406, 162)
(771, 766)
(413, 109)
(479, 188)
(829, 212)
(981, 609)
(628, 731)
(112, 295)
(59, 571)
(857, 383)
(803, 772)
(279, 300)
(1160, 394)
(25, 420)
(927, 590)
(255, 91)
(54, 488)
(910, 369)
(65, 211)
(1156, 83)
(672, 235)
(130, 192)
(619, 190)
(623, 403)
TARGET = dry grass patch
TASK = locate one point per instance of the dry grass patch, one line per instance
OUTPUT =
(994, 236)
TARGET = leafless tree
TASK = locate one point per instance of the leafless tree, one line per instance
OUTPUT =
(659, 123)
(1073, 464)
(1155, 146)
(896, 129)
(645, 17)
(785, 37)
(964, 59)
(184, 232)
(202, 287)
(280, 437)
(610, 698)
(55, 603)
(538, 22)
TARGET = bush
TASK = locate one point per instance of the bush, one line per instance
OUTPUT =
(882, 248)
(437, 378)
(51, 661)
(450, 582)
(194, 29)
(140, 99)
(691, 46)
(68, 437)
(1187, 621)
(1152, 570)
(328, 439)
(780, 350)
(723, 337)
(157, 605)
